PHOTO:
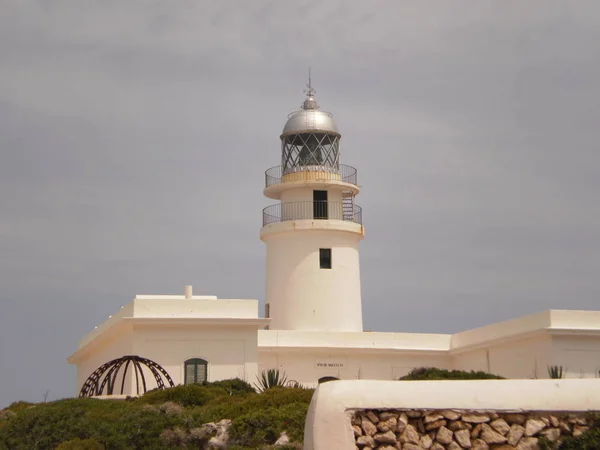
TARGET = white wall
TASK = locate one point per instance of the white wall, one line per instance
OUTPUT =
(301, 295)
(118, 345)
(527, 357)
(230, 350)
(308, 365)
(579, 355)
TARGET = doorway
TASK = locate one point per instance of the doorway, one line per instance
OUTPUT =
(320, 205)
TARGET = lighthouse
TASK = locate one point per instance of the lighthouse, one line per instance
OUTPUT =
(313, 233)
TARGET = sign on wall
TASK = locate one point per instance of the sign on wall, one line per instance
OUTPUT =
(329, 364)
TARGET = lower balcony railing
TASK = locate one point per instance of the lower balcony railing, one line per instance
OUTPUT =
(316, 210)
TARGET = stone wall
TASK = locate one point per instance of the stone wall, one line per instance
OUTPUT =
(452, 429)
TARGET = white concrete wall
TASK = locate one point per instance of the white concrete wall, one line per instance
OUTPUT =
(579, 355)
(308, 365)
(328, 420)
(196, 308)
(118, 345)
(527, 357)
(231, 351)
(302, 296)
(172, 306)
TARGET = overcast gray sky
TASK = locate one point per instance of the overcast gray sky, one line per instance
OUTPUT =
(134, 136)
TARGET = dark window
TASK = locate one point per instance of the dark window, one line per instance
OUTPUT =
(195, 370)
(325, 258)
(320, 204)
(267, 310)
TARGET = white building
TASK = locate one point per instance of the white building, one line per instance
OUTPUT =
(313, 314)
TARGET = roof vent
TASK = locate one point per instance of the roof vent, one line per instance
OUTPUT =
(188, 291)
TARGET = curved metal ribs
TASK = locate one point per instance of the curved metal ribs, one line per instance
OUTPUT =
(105, 376)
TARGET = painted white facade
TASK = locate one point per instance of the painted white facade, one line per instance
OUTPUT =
(172, 329)
(313, 327)
(302, 296)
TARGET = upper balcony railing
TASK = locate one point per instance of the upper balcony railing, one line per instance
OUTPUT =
(315, 210)
(344, 173)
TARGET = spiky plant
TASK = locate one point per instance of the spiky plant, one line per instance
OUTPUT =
(271, 378)
(295, 384)
(555, 372)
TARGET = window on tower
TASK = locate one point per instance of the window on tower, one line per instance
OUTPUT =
(325, 258)
(195, 370)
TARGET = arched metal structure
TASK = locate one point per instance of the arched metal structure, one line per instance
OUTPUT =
(105, 376)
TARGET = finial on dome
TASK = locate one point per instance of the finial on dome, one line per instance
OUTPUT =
(310, 102)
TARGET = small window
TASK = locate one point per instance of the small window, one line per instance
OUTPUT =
(195, 371)
(267, 310)
(325, 258)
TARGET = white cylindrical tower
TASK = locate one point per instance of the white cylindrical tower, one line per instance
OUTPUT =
(312, 234)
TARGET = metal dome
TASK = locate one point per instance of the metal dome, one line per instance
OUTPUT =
(310, 119)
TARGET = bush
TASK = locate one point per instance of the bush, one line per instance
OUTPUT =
(81, 444)
(186, 395)
(171, 409)
(159, 420)
(255, 429)
(237, 406)
(18, 406)
(589, 440)
(263, 426)
(117, 424)
(6, 414)
(234, 386)
(432, 373)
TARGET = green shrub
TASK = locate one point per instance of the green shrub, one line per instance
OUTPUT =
(432, 373)
(118, 425)
(81, 444)
(234, 407)
(294, 417)
(186, 395)
(589, 440)
(259, 420)
(263, 426)
(158, 420)
(256, 428)
(233, 386)
(18, 406)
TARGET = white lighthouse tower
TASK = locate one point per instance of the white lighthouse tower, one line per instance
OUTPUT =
(312, 234)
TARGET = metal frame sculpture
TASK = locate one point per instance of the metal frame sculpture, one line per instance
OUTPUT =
(105, 376)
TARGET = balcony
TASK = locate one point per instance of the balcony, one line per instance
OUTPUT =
(345, 174)
(315, 210)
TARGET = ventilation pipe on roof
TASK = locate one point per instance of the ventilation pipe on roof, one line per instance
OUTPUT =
(188, 291)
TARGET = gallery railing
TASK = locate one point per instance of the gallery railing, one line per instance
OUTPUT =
(316, 210)
(345, 173)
